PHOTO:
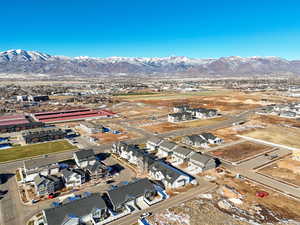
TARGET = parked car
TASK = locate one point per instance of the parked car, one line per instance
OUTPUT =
(145, 214)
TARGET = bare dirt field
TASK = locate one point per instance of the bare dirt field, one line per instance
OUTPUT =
(167, 126)
(286, 169)
(223, 100)
(278, 135)
(109, 137)
(270, 119)
(240, 151)
(275, 206)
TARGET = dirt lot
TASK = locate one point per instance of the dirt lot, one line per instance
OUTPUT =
(110, 137)
(270, 120)
(223, 100)
(240, 151)
(286, 169)
(278, 135)
(167, 126)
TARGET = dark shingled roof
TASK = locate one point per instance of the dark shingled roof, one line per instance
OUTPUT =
(130, 191)
(200, 159)
(78, 208)
(85, 154)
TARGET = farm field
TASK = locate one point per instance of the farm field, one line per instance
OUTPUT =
(240, 151)
(27, 151)
(286, 169)
(278, 135)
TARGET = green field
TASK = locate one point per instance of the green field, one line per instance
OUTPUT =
(27, 151)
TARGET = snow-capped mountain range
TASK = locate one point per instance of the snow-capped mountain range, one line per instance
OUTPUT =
(33, 62)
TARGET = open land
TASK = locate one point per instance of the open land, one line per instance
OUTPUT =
(240, 151)
(285, 169)
(278, 135)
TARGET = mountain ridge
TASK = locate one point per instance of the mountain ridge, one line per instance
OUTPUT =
(33, 62)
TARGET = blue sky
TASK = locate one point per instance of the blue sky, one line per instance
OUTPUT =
(194, 28)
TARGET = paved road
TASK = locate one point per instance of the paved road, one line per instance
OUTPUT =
(14, 213)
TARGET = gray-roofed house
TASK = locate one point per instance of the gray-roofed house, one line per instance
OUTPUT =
(201, 162)
(131, 193)
(44, 166)
(170, 176)
(153, 143)
(73, 177)
(45, 185)
(195, 140)
(83, 158)
(97, 171)
(177, 117)
(91, 128)
(180, 155)
(166, 148)
(210, 138)
(202, 113)
(89, 210)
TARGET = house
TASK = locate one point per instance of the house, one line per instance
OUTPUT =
(202, 113)
(170, 176)
(43, 134)
(165, 148)
(91, 128)
(45, 185)
(177, 117)
(210, 138)
(195, 140)
(180, 155)
(131, 194)
(201, 162)
(43, 166)
(153, 143)
(73, 177)
(88, 210)
(180, 108)
(288, 114)
(97, 171)
(83, 158)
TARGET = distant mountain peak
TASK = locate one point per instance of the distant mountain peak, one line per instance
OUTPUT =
(31, 62)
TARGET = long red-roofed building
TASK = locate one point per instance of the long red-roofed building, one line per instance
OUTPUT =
(71, 115)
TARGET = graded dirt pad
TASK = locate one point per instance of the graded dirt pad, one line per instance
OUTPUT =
(278, 135)
(271, 119)
(282, 207)
(109, 137)
(240, 151)
(163, 127)
(222, 100)
(167, 126)
(286, 169)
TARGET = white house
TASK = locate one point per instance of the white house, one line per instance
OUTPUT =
(180, 155)
(44, 166)
(91, 128)
(210, 138)
(153, 143)
(73, 177)
(170, 176)
(83, 158)
(165, 149)
(201, 162)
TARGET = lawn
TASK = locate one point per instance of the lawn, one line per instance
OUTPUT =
(27, 151)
